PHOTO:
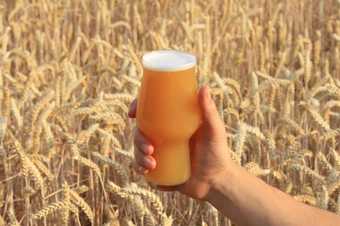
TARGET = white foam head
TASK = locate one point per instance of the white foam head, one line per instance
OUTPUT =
(168, 60)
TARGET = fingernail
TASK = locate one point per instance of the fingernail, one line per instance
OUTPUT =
(150, 162)
(147, 149)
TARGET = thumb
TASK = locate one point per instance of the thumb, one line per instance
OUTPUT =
(210, 116)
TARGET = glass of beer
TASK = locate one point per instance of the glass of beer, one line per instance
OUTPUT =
(168, 113)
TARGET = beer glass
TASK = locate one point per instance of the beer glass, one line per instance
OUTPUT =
(168, 113)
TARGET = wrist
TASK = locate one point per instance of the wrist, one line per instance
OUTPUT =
(224, 182)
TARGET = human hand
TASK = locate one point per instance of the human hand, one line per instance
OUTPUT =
(209, 150)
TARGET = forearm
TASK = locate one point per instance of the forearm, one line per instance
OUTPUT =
(248, 201)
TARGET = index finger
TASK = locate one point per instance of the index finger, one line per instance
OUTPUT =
(133, 109)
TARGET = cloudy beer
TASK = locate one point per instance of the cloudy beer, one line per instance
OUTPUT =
(168, 113)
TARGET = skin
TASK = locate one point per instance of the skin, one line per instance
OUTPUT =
(215, 178)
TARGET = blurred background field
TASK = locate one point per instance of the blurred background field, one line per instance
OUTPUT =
(70, 68)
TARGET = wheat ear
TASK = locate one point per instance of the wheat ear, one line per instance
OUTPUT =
(80, 202)
(149, 196)
(52, 208)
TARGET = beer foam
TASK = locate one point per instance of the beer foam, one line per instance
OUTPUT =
(168, 60)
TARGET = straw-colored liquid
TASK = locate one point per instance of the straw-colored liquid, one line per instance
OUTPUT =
(168, 114)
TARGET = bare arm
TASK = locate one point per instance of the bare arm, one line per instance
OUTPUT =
(248, 201)
(243, 198)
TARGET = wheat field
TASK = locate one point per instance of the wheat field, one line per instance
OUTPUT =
(70, 68)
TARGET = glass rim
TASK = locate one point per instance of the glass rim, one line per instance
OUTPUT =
(188, 60)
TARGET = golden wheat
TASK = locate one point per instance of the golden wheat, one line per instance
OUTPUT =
(69, 70)
(79, 201)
